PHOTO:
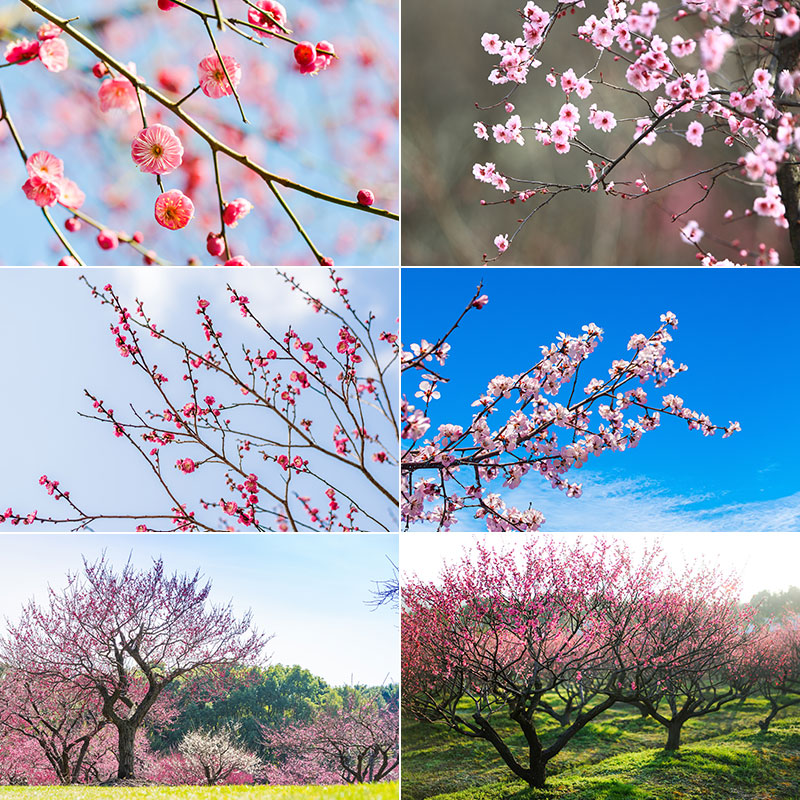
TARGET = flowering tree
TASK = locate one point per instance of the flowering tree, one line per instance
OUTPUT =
(694, 650)
(62, 722)
(122, 637)
(22, 762)
(605, 416)
(232, 77)
(499, 634)
(354, 743)
(216, 755)
(715, 79)
(493, 637)
(773, 669)
(285, 427)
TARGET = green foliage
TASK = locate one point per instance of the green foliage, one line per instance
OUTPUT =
(375, 791)
(776, 604)
(273, 697)
(618, 757)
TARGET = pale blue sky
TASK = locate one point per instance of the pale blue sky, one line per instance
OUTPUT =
(311, 592)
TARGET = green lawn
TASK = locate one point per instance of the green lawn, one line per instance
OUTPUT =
(376, 791)
(617, 757)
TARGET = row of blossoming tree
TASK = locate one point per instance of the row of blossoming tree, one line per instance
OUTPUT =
(566, 631)
(717, 79)
(129, 675)
(219, 116)
(452, 471)
(292, 432)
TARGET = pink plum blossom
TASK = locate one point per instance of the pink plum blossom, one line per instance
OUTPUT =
(213, 80)
(173, 209)
(157, 150)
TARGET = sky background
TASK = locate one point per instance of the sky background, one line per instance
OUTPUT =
(55, 341)
(761, 560)
(335, 131)
(312, 593)
(736, 332)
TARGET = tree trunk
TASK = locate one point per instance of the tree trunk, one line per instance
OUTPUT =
(789, 172)
(127, 735)
(534, 775)
(764, 723)
(674, 735)
(537, 774)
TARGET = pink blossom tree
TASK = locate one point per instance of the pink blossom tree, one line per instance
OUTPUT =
(65, 722)
(773, 668)
(292, 433)
(452, 470)
(182, 138)
(709, 85)
(500, 632)
(354, 743)
(694, 650)
(22, 762)
(122, 637)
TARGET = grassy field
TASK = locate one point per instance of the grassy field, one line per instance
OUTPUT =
(619, 757)
(378, 791)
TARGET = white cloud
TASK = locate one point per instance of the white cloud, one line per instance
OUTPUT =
(640, 504)
(636, 504)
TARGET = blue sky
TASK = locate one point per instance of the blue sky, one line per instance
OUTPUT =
(55, 341)
(736, 332)
(310, 592)
(335, 118)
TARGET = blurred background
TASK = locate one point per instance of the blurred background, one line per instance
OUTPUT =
(445, 75)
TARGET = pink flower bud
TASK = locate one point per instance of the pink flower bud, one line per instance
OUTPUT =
(215, 244)
(365, 197)
(107, 239)
(305, 53)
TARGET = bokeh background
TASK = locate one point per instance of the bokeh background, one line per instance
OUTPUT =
(445, 73)
(335, 131)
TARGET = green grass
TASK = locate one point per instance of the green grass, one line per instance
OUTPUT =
(375, 791)
(618, 757)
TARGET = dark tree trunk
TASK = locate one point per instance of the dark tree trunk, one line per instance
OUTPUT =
(534, 775)
(764, 723)
(674, 735)
(127, 736)
(789, 172)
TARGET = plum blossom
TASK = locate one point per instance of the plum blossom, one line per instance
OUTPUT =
(694, 133)
(157, 150)
(602, 120)
(272, 15)
(213, 80)
(54, 54)
(692, 233)
(118, 93)
(173, 209)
